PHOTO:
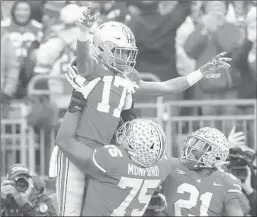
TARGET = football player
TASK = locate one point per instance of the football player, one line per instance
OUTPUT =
(124, 177)
(110, 62)
(196, 186)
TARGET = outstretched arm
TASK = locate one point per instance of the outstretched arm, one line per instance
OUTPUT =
(177, 85)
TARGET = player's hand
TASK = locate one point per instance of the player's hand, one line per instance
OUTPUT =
(76, 80)
(211, 69)
(87, 19)
(163, 203)
(247, 184)
(79, 83)
(236, 139)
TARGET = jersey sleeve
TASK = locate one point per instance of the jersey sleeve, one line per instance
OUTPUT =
(102, 161)
(234, 190)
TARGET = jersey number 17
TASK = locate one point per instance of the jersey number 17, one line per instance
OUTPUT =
(104, 105)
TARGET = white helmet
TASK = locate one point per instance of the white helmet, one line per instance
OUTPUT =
(115, 45)
(144, 140)
(205, 148)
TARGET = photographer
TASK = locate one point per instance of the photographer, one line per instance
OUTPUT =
(242, 166)
(23, 195)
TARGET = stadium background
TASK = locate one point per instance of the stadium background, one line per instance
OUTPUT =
(32, 106)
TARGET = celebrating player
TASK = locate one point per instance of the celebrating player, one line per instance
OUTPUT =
(110, 64)
(197, 187)
(124, 178)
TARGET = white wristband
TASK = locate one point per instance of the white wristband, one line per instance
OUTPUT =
(194, 77)
(83, 36)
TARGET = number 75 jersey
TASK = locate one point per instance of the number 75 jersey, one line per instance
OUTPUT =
(101, 115)
(119, 186)
(189, 194)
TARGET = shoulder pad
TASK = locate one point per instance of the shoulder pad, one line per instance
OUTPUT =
(36, 24)
(5, 23)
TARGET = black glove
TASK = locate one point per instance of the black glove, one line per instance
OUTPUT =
(77, 102)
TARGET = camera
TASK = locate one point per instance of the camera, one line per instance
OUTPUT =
(239, 160)
(21, 184)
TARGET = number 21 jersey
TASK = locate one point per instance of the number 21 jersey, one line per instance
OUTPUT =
(187, 193)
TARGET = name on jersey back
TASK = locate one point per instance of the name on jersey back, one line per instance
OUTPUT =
(139, 171)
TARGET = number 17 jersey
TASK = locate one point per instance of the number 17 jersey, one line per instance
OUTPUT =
(101, 115)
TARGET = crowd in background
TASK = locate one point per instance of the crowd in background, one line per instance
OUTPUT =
(173, 38)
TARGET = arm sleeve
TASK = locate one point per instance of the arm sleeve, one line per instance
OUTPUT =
(100, 163)
(83, 58)
(234, 192)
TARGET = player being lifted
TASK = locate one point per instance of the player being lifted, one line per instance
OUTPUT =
(110, 64)
(125, 177)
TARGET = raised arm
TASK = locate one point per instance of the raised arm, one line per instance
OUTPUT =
(177, 85)
(85, 22)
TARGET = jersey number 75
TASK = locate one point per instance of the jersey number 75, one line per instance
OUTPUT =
(139, 188)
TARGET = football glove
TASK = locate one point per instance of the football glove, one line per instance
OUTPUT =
(76, 80)
(211, 69)
(79, 83)
(77, 102)
(87, 19)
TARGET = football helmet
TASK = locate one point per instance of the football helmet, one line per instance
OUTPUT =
(144, 140)
(115, 46)
(205, 148)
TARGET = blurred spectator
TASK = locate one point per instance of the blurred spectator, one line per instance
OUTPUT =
(50, 19)
(25, 35)
(185, 64)
(155, 32)
(212, 36)
(155, 35)
(117, 11)
(9, 73)
(56, 53)
(23, 195)
(37, 9)
(245, 62)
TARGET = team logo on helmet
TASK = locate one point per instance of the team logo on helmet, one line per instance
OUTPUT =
(144, 140)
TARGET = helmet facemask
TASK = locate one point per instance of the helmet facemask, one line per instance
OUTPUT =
(199, 153)
(121, 59)
(143, 140)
